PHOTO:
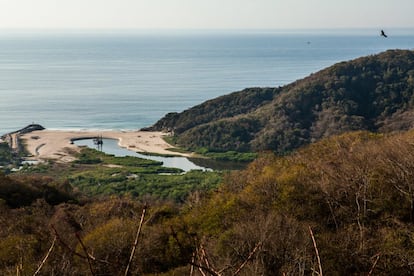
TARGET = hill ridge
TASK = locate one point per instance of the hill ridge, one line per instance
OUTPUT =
(374, 93)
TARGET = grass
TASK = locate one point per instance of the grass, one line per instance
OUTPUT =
(96, 173)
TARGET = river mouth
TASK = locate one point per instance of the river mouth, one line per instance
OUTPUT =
(111, 146)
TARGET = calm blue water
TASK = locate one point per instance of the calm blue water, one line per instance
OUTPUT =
(130, 80)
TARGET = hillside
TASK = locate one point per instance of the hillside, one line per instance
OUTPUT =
(352, 194)
(374, 93)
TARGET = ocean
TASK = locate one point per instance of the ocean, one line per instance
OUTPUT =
(125, 80)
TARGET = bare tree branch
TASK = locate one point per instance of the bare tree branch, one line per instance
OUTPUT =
(316, 250)
(192, 266)
(45, 258)
(74, 252)
(88, 256)
(134, 247)
(65, 245)
(374, 265)
(248, 258)
(205, 258)
(200, 267)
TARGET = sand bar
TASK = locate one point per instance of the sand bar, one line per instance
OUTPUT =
(56, 144)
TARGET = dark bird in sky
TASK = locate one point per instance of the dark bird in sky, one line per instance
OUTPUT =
(383, 33)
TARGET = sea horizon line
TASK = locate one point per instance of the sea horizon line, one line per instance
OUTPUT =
(206, 31)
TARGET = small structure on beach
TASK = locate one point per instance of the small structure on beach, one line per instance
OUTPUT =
(98, 141)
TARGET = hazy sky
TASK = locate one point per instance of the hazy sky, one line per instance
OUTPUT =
(206, 14)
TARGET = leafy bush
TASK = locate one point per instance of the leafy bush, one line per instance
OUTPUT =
(25, 191)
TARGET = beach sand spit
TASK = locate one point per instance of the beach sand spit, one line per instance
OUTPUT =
(56, 144)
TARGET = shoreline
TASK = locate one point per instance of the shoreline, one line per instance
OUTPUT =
(58, 144)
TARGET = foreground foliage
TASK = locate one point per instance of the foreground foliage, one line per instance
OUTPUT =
(344, 205)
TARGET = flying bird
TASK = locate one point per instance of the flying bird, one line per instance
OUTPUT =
(383, 33)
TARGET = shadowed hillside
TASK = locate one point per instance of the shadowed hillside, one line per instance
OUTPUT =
(374, 93)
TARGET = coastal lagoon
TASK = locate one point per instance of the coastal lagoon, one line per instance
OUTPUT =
(128, 80)
(110, 146)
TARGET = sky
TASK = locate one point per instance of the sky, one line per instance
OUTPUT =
(206, 14)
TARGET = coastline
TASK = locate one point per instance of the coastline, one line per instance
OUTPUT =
(57, 144)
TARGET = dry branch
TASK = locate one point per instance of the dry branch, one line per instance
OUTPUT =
(88, 256)
(258, 245)
(45, 258)
(374, 265)
(316, 251)
(134, 247)
(74, 252)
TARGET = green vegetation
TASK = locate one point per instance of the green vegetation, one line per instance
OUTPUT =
(228, 155)
(374, 93)
(95, 173)
(92, 156)
(143, 183)
(237, 103)
(23, 191)
(342, 205)
(235, 156)
(6, 155)
(352, 194)
(10, 158)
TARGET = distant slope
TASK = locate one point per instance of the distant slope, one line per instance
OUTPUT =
(374, 93)
(226, 106)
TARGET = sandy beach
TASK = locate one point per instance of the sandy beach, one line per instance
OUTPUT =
(56, 144)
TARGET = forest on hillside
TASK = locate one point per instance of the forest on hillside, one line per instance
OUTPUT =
(373, 93)
(340, 206)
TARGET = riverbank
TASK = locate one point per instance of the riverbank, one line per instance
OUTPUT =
(57, 144)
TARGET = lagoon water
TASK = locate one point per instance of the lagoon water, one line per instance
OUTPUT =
(129, 80)
(110, 146)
